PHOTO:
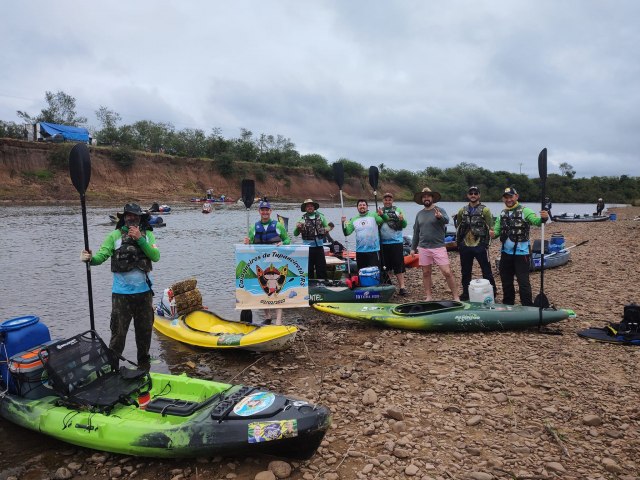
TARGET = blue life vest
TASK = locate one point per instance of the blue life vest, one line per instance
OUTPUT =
(267, 235)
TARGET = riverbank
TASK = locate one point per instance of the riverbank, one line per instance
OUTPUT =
(431, 406)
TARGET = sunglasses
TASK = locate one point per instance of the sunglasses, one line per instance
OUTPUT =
(474, 193)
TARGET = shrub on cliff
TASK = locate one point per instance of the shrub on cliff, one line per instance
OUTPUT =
(123, 156)
(59, 156)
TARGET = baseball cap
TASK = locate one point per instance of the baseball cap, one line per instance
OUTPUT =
(473, 189)
(509, 191)
(388, 194)
(264, 204)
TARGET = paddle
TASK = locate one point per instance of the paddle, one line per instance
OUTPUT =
(248, 193)
(541, 300)
(80, 172)
(568, 248)
(373, 181)
(338, 176)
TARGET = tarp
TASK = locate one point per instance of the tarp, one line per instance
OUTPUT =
(272, 277)
(78, 134)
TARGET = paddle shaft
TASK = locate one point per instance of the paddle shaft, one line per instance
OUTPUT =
(542, 300)
(88, 264)
(568, 248)
(373, 181)
(338, 173)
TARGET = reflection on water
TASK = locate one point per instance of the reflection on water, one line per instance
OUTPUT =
(42, 273)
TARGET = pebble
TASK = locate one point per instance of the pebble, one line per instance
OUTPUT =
(475, 420)
(592, 420)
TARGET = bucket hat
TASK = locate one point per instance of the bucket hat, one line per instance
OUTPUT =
(303, 206)
(417, 197)
(132, 208)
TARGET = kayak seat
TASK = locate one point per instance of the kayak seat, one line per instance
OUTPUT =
(85, 373)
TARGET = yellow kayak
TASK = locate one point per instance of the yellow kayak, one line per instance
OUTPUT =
(206, 329)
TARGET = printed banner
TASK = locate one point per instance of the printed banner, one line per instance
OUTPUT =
(271, 277)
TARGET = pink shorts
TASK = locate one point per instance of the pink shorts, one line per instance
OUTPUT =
(429, 256)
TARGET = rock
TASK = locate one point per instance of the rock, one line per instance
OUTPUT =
(480, 476)
(399, 427)
(367, 468)
(401, 452)
(395, 412)
(500, 397)
(280, 469)
(475, 420)
(555, 467)
(115, 472)
(369, 397)
(591, 420)
(411, 470)
(265, 475)
(610, 465)
(63, 473)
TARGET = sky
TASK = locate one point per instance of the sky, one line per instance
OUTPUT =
(404, 83)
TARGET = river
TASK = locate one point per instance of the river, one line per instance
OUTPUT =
(42, 274)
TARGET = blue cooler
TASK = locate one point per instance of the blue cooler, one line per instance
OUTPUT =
(18, 335)
(556, 243)
(613, 216)
(369, 276)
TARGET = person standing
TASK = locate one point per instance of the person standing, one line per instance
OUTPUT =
(365, 225)
(391, 239)
(472, 236)
(132, 249)
(313, 226)
(428, 240)
(269, 232)
(599, 207)
(512, 227)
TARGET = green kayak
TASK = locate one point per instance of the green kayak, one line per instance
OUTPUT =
(446, 316)
(338, 292)
(163, 415)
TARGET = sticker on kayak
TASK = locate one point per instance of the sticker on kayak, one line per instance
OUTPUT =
(367, 294)
(254, 403)
(230, 339)
(268, 431)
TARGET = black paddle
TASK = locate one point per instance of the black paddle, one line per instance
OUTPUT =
(373, 181)
(541, 300)
(80, 172)
(248, 188)
(338, 176)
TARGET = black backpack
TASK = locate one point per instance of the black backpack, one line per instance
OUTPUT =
(630, 319)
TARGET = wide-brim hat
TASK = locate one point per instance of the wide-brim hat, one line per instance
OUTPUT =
(133, 208)
(303, 206)
(417, 197)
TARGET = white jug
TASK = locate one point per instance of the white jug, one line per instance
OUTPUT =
(481, 291)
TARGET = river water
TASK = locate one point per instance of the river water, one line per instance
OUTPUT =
(42, 274)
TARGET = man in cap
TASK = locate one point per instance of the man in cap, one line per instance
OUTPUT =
(474, 222)
(599, 207)
(365, 225)
(132, 249)
(270, 232)
(428, 240)
(313, 226)
(512, 227)
(391, 239)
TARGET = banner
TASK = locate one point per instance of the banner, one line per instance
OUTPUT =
(272, 277)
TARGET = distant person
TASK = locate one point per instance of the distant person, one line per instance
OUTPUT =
(599, 207)
(313, 226)
(132, 249)
(429, 230)
(365, 225)
(270, 232)
(512, 227)
(474, 222)
(392, 241)
(547, 206)
(327, 234)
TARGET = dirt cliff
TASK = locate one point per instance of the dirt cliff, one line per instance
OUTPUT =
(38, 172)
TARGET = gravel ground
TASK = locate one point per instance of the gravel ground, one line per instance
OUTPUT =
(507, 405)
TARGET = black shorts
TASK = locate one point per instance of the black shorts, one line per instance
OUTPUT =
(367, 259)
(393, 257)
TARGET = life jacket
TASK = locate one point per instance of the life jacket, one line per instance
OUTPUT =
(267, 235)
(312, 227)
(129, 256)
(514, 226)
(394, 221)
(474, 222)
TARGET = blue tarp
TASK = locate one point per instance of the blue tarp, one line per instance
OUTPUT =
(78, 134)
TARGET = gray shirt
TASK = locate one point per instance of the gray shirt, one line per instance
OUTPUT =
(429, 231)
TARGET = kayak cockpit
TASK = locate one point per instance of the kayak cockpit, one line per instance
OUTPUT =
(425, 308)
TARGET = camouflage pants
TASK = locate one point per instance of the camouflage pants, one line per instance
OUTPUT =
(138, 306)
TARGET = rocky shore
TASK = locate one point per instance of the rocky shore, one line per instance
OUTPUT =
(505, 405)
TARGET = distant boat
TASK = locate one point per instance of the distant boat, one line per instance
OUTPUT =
(207, 207)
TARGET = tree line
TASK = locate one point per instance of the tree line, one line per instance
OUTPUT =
(280, 152)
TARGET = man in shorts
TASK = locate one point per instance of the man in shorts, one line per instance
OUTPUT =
(391, 238)
(428, 240)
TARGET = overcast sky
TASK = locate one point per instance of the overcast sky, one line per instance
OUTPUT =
(410, 84)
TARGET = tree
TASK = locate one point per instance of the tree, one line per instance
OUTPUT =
(567, 170)
(108, 119)
(61, 109)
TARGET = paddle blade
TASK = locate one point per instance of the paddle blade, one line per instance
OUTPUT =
(80, 167)
(373, 177)
(541, 301)
(248, 192)
(542, 164)
(338, 174)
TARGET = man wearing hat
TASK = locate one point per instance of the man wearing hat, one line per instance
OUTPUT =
(428, 240)
(391, 239)
(313, 226)
(132, 249)
(272, 232)
(512, 227)
(599, 207)
(472, 235)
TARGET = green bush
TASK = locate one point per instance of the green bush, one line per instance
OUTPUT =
(39, 175)
(224, 165)
(59, 156)
(123, 156)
